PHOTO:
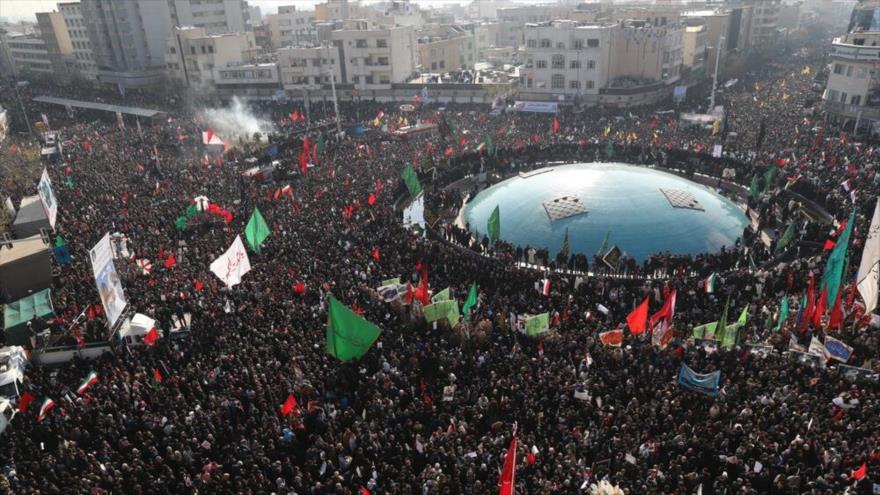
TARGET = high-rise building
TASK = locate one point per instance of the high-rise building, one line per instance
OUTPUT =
(291, 27)
(84, 58)
(193, 56)
(128, 39)
(57, 42)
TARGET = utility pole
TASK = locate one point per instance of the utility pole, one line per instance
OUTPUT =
(715, 76)
(27, 120)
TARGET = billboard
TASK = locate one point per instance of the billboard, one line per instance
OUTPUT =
(536, 106)
(47, 197)
(107, 280)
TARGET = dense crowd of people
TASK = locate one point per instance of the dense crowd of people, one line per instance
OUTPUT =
(431, 409)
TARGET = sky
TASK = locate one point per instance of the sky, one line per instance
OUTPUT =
(18, 9)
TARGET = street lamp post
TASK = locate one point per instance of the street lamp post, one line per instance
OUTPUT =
(715, 75)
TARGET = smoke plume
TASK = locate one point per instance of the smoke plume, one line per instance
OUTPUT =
(237, 121)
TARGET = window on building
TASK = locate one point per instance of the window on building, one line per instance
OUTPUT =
(545, 43)
(203, 49)
(574, 84)
(855, 100)
(843, 97)
(383, 61)
(838, 69)
(575, 64)
(360, 43)
(590, 84)
(557, 62)
(532, 43)
(591, 64)
(578, 44)
(433, 65)
(382, 43)
(368, 79)
(557, 81)
(861, 73)
(560, 45)
(593, 43)
(356, 79)
(192, 49)
(442, 64)
(210, 48)
(541, 64)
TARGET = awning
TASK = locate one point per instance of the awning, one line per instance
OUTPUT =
(17, 315)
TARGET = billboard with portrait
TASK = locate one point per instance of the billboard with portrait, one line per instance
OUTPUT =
(107, 280)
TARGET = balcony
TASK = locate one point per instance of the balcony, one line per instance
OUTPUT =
(847, 110)
(854, 53)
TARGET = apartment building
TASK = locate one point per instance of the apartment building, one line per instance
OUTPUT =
(57, 43)
(695, 50)
(27, 55)
(193, 56)
(565, 60)
(84, 58)
(291, 27)
(247, 81)
(446, 48)
(308, 69)
(342, 10)
(215, 16)
(375, 58)
(513, 20)
(644, 55)
(852, 94)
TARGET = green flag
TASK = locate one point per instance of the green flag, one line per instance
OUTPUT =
(564, 250)
(731, 331)
(604, 245)
(443, 295)
(471, 300)
(348, 335)
(494, 225)
(787, 236)
(833, 273)
(537, 324)
(411, 180)
(705, 331)
(321, 144)
(490, 146)
(783, 313)
(753, 187)
(59, 241)
(609, 149)
(442, 309)
(770, 178)
(752, 266)
(256, 230)
(390, 281)
(721, 329)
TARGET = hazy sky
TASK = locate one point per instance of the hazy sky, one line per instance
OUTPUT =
(27, 8)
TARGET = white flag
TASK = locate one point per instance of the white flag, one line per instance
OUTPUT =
(233, 264)
(869, 268)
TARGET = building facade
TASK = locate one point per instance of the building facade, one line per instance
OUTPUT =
(852, 94)
(193, 56)
(28, 55)
(695, 51)
(446, 48)
(308, 69)
(375, 58)
(84, 58)
(215, 16)
(291, 27)
(566, 61)
(57, 42)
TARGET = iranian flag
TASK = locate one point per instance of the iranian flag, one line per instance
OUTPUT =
(709, 283)
(90, 380)
(506, 482)
(47, 405)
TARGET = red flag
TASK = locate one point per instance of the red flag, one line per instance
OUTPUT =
(87, 145)
(171, 261)
(421, 293)
(218, 160)
(209, 135)
(288, 406)
(151, 337)
(555, 125)
(507, 483)
(449, 151)
(376, 255)
(836, 319)
(199, 285)
(820, 308)
(371, 200)
(860, 473)
(638, 319)
(299, 288)
(364, 491)
(157, 376)
(666, 311)
(304, 155)
(294, 116)
(829, 245)
(24, 401)
(408, 298)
